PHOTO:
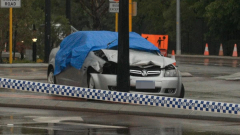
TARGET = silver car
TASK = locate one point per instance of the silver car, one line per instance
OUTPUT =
(150, 73)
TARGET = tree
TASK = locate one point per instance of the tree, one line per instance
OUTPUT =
(60, 26)
(150, 18)
(23, 20)
(32, 12)
(223, 19)
(96, 9)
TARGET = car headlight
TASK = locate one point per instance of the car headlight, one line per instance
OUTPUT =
(170, 71)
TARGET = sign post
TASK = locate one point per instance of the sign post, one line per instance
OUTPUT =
(10, 4)
(114, 8)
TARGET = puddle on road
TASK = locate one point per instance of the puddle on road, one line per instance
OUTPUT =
(55, 129)
(22, 125)
(210, 62)
(26, 125)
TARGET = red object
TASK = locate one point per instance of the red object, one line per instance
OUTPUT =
(163, 52)
(206, 52)
(173, 57)
(221, 50)
(160, 41)
(235, 51)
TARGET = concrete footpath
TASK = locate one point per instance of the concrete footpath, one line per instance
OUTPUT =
(15, 98)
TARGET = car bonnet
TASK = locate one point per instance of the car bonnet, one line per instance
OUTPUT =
(140, 58)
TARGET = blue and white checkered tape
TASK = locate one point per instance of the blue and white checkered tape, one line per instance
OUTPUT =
(123, 97)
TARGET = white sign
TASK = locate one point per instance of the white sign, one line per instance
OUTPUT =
(114, 7)
(10, 3)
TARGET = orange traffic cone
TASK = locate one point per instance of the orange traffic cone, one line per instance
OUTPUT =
(235, 51)
(173, 57)
(221, 51)
(206, 52)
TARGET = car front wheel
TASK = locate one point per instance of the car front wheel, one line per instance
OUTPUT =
(51, 77)
(91, 84)
(182, 92)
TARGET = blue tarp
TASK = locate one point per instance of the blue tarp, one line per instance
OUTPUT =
(75, 47)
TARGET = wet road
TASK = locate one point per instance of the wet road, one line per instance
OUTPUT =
(201, 86)
(201, 67)
(209, 61)
(24, 72)
(34, 121)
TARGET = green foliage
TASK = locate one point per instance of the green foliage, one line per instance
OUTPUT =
(23, 20)
(92, 13)
(150, 18)
(22, 61)
(223, 18)
(201, 21)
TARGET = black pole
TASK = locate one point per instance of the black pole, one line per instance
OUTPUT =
(7, 36)
(34, 48)
(123, 79)
(47, 29)
(68, 10)
(14, 43)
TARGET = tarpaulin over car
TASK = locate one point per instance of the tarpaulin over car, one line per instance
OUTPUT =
(75, 47)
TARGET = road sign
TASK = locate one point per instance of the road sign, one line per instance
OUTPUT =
(114, 7)
(10, 3)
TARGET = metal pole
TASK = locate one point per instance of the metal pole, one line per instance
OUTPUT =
(47, 30)
(10, 35)
(15, 43)
(68, 10)
(34, 48)
(116, 22)
(130, 15)
(123, 78)
(178, 26)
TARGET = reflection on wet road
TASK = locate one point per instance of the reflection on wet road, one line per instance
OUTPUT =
(201, 67)
(35, 121)
(23, 72)
(209, 62)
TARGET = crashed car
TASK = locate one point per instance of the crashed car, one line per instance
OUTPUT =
(89, 59)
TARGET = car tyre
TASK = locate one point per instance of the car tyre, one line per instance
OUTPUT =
(51, 77)
(182, 92)
(91, 84)
(90, 81)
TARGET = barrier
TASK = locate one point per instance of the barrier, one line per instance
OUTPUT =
(206, 52)
(122, 97)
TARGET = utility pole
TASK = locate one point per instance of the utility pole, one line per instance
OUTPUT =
(178, 26)
(68, 10)
(15, 42)
(123, 76)
(47, 30)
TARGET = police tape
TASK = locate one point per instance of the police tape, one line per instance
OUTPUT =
(122, 97)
